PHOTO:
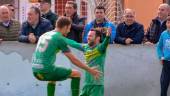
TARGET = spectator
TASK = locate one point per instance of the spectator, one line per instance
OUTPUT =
(12, 10)
(163, 50)
(34, 27)
(129, 31)
(101, 24)
(45, 6)
(157, 25)
(9, 28)
(78, 23)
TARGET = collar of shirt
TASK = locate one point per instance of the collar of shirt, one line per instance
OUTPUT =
(6, 24)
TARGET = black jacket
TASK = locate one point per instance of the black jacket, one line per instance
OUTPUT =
(52, 17)
(77, 27)
(154, 31)
(134, 31)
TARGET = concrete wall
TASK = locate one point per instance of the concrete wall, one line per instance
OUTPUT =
(129, 71)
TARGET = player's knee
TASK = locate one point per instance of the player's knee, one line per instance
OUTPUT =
(51, 82)
(75, 73)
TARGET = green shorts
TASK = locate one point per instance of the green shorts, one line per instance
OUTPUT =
(92, 90)
(57, 74)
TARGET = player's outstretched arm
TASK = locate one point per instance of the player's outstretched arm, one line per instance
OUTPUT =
(79, 64)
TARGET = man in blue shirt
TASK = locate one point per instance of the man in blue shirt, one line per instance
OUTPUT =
(101, 24)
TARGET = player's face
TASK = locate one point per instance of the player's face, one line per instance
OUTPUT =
(91, 37)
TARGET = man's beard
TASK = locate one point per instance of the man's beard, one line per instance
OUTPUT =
(91, 43)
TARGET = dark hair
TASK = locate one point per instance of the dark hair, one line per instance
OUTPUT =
(45, 1)
(73, 3)
(36, 10)
(97, 32)
(168, 18)
(62, 22)
(100, 7)
(10, 5)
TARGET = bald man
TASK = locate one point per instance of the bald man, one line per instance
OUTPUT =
(129, 31)
(9, 28)
(157, 25)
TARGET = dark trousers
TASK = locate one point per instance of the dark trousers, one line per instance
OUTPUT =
(165, 77)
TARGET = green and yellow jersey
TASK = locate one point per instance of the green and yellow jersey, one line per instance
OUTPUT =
(94, 57)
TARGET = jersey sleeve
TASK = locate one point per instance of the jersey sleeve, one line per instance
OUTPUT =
(74, 44)
(62, 45)
(103, 46)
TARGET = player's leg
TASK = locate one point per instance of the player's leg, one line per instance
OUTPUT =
(58, 74)
(93, 90)
(98, 90)
(85, 91)
(51, 88)
(75, 82)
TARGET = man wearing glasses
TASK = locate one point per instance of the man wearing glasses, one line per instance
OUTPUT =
(129, 31)
(12, 10)
(46, 12)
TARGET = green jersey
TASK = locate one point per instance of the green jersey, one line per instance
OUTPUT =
(94, 57)
(48, 46)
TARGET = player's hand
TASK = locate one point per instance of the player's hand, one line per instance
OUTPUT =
(99, 29)
(108, 32)
(148, 43)
(95, 72)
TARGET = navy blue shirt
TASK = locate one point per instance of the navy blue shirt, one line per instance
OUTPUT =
(134, 31)
(43, 26)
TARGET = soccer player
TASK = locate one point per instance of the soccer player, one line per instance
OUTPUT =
(95, 53)
(43, 59)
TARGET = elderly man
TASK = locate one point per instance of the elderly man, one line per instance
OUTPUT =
(101, 24)
(34, 27)
(12, 10)
(157, 25)
(78, 23)
(129, 31)
(9, 28)
(45, 6)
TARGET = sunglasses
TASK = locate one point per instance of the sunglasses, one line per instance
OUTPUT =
(12, 9)
(129, 16)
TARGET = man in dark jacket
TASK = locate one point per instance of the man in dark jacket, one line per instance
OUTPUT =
(157, 25)
(129, 31)
(78, 23)
(45, 6)
(34, 27)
